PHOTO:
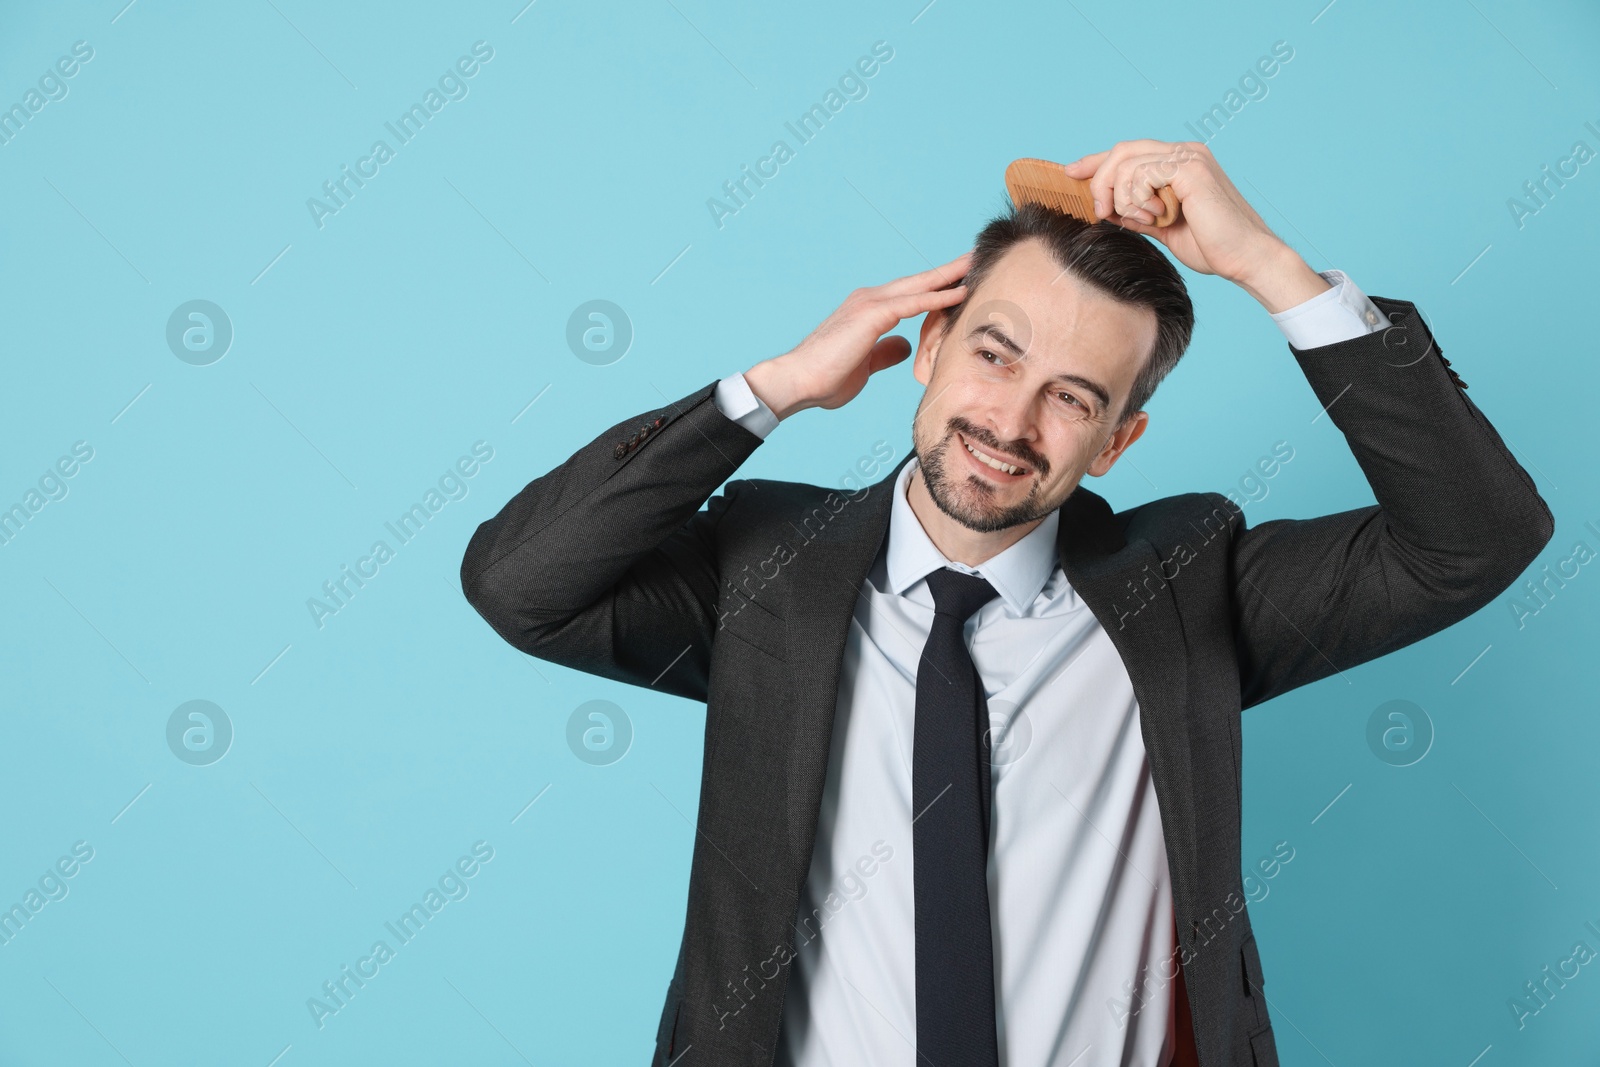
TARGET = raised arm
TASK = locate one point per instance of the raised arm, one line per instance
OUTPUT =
(1457, 519)
(607, 564)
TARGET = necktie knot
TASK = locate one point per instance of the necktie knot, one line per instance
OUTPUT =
(959, 594)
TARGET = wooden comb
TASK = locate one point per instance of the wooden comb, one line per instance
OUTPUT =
(1039, 181)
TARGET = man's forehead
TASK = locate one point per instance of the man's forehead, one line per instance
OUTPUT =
(1054, 319)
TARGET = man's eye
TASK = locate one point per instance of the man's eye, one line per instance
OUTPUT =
(1074, 400)
(984, 354)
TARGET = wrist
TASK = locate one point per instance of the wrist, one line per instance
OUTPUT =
(770, 381)
(1282, 280)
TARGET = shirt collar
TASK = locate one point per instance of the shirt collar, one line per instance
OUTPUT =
(1018, 574)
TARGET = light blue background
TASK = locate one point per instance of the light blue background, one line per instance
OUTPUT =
(369, 354)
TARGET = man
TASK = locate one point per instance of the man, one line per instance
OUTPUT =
(971, 790)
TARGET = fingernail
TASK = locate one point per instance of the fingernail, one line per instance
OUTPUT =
(1099, 208)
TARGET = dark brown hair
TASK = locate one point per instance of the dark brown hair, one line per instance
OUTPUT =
(1124, 265)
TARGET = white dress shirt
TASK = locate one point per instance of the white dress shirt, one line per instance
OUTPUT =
(1079, 891)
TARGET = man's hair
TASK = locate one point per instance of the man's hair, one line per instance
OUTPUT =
(1120, 263)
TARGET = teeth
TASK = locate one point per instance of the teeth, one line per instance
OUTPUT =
(996, 464)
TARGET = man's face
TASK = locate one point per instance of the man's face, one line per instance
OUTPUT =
(1034, 373)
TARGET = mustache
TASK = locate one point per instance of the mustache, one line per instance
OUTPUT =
(1019, 452)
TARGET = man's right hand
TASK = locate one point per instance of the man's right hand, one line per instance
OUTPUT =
(831, 366)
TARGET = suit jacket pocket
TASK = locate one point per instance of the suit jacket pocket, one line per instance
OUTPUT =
(1250, 965)
(667, 1052)
(1263, 1048)
(1251, 958)
(667, 1038)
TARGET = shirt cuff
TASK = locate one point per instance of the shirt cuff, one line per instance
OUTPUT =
(737, 401)
(1339, 314)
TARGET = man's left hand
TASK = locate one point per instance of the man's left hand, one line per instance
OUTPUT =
(1218, 233)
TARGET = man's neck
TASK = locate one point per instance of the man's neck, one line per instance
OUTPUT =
(959, 543)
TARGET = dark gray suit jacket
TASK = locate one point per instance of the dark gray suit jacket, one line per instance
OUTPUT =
(608, 564)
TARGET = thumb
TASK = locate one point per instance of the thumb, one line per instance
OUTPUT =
(1086, 166)
(887, 352)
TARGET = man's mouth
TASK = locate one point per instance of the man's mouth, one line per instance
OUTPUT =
(1005, 469)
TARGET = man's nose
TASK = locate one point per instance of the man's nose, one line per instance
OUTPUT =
(1010, 418)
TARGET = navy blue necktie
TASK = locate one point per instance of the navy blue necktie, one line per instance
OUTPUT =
(950, 837)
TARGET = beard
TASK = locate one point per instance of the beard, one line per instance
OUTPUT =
(967, 498)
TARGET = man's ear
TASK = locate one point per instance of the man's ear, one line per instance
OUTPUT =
(1125, 435)
(928, 345)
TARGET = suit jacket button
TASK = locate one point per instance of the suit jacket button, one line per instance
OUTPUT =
(659, 420)
(620, 451)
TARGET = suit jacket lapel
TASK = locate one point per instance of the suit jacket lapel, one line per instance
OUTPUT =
(831, 570)
(1104, 570)
(1123, 584)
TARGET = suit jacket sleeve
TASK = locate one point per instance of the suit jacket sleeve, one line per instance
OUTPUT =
(1457, 519)
(607, 564)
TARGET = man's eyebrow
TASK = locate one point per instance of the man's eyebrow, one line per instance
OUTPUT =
(1090, 385)
(999, 335)
(1000, 338)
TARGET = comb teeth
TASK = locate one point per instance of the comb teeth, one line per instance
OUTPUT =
(1040, 181)
(1067, 203)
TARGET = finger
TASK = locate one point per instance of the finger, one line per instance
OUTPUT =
(1129, 189)
(896, 308)
(1102, 186)
(933, 278)
(1083, 168)
(1149, 229)
(887, 352)
(934, 298)
(885, 313)
(1124, 201)
(1142, 176)
(1183, 170)
(1112, 172)
(1145, 146)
